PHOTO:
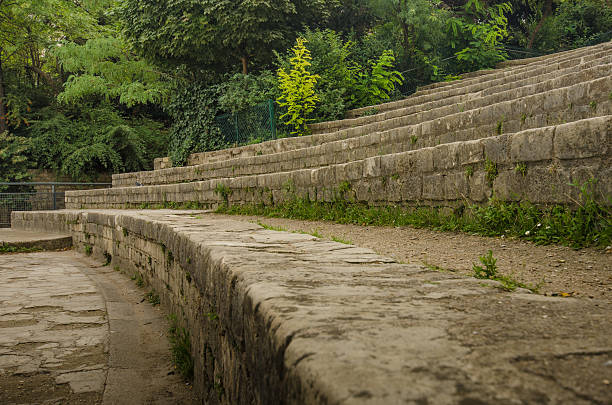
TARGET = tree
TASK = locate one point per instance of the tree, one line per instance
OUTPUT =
(216, 34)
(13, 160)
(104, 68)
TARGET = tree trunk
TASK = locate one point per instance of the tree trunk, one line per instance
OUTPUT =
(547, 12)
(3, 123)
(245, 63)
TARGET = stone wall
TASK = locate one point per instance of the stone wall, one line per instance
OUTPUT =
(284, 318)
(536, 165)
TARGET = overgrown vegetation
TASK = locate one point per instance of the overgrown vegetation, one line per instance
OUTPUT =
(6, 249)
(587, 224)
(180, 343)
(98, 86)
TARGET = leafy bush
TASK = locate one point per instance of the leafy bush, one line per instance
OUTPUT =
(298, 89)
(478, 34)
(242, 91)
(13, 160)
(193, 109)
(85, 142)
(575, 23)
(343, 83)
(378, 84)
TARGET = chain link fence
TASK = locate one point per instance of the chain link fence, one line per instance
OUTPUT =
(254, 125)
(47, 196)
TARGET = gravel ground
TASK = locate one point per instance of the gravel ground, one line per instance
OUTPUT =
(555, 269)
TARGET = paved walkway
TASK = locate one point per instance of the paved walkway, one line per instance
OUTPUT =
(73, 332)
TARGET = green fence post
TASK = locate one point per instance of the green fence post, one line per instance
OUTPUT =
(272, 118)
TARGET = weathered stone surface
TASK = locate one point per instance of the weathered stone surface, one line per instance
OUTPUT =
(287, 318)
(441, 170)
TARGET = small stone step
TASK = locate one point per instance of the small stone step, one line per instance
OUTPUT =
(15, 239)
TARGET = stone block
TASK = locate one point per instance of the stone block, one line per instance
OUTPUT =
(445, 156)
(372, 167)
(532, 145)
(479, 187)
(497, 148)
(434, 187)
(583, 139)
(470, 152)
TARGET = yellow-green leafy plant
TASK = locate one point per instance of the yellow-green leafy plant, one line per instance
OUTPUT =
(298, 90)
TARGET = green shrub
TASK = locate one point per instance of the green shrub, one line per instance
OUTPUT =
(298, 89)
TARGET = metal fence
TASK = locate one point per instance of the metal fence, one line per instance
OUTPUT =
(254, 125)
(50, 196)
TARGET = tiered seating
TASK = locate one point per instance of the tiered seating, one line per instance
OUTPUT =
(522, 131)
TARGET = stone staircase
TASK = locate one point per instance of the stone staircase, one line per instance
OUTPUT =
(523, 131)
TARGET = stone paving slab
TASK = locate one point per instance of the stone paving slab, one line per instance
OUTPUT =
(34, 239)
(278, 317)
(60, 342)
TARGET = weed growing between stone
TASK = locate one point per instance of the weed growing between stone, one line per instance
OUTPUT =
(5, 249)
(488, 271)
(181, 348)
(589, 224)
(137, 278)
(340, 240)
(152, 297)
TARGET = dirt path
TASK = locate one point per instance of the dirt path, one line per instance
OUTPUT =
(556, 269)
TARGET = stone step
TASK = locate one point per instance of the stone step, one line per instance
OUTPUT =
(536, 165)
(582, 100)
(453, 100)
(17, 240)
(479, 77)
(472, 91)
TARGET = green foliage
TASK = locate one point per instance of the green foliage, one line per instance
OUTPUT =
(478, 32)
(219, 35)
(587, 224)
(153, 298)
(298, 89)
(491, 171)
(521, 168)
(13, 160)
(224, 192)
(180, 343)
(193, 109)
(343, 83)
(575, 23)
(8, 249)
(241, 91)
(85, 142)
(377, 85)
(488, 270)
(104, 68)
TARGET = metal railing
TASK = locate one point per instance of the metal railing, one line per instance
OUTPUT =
(37, 200)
